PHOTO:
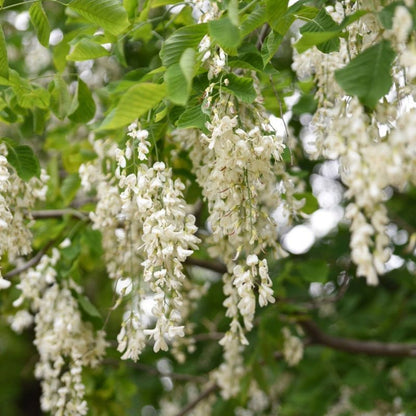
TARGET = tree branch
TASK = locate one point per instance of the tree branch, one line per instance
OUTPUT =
(30, 263)
(58, 213)
(373, 348)
(154, 371)
(204, 394)
(206, 264)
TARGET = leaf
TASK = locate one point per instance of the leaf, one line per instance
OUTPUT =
(310, 39)
(159, 3)
(23, 161)
(192, 117)
(182, 39)
(4, 65)
(254, 20)
(134, 103)
(270, 46)
(83, 106)
(69, 188)
(131, 7)
(241, 87)
(109, 14)
(387, 13)
(60, 98)
(224, 33)
(87, 49)
(313, 270)
(40, 22)
(187, 64)
(179, 78)
(311, 203)
(322, 23)
(86, 305)
(176, 85)
(233, 12)
(367, 76)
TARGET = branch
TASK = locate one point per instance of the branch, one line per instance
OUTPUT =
(262, 36)
(58, 213)
(206, 264)
(204, 394)
(154, 371)
(30, 263)
(374, 348)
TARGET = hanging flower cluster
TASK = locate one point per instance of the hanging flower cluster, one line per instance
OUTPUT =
(148, 234)
(17, 198)
(65, 342)
(376, 149)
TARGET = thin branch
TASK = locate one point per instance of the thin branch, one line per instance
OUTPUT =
(58, 213)
(373, 348)
(154, 371)
(206, 264)
(204, 394)
(30, 263)
(262, 36)
(209, 336)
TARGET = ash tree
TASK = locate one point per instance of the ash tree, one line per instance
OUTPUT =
(207, 207)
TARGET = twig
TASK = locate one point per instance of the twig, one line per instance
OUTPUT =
(209, 336)
(30, 263)
(262, 36)
(373, 348)
(206, 264)
(154, 371)
(204, 394)
(58, 213)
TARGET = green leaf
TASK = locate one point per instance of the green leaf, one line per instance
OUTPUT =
(131, 7)
(270, 46)
(368, 76)
(86, 305)
(87, 49)
(322, 23)
(109, 14)
(306, 104)
(313, 270)
(40, 22)
(159, 3)
(233, 12)
(69, 188)
(276, 10)
(176, 85)
(192, 117)
(182, 39)
(179, 78)
(254, 20)
(134, 103)
(28, 95)
(83, 108)
(60, 98)
(4, 65)
(187, 65)
(387, 13)
(224, 33)
(241, 87)
(310, 39)
(311, 203)
(23, 161)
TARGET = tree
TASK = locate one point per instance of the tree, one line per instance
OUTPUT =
(206, 207)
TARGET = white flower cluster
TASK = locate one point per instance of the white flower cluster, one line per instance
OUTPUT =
(142, 208)
(17, 198)
(376, 150)
(292, 347)
(65, 343)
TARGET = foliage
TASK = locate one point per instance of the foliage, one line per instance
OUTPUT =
(158, 159)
